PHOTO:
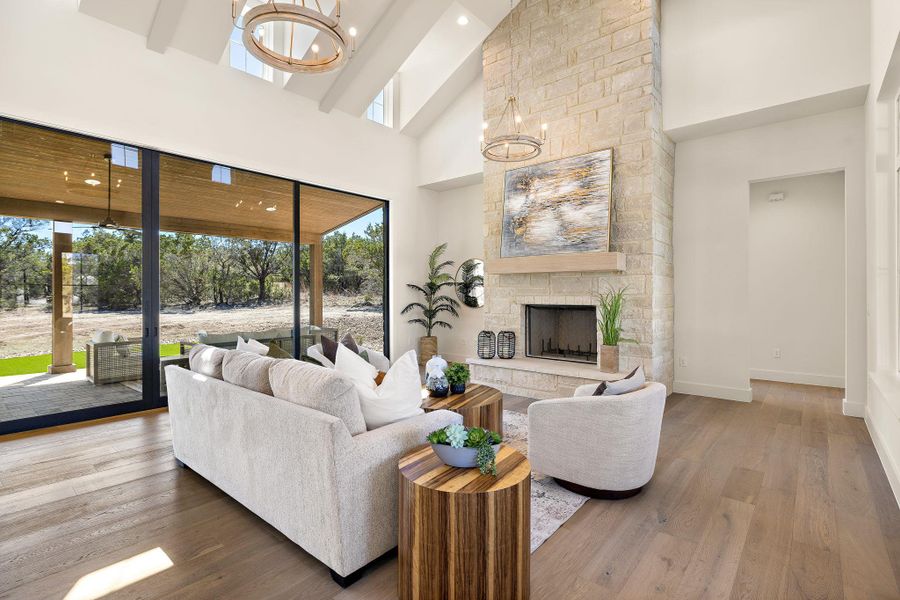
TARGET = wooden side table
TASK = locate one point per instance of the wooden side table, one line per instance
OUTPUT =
(464, 535)
(480, 406)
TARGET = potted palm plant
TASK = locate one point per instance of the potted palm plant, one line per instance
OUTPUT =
(609, 324)
(434, 302)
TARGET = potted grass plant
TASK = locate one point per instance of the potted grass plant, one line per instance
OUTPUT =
(434, 302)
(609, 324)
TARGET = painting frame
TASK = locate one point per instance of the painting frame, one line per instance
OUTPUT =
(545, 206)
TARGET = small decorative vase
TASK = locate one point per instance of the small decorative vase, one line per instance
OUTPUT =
(436, 362)
(458, 388)
(487, 344)
(428, 345)
(458, 457)
(437, 385)
(609, 359)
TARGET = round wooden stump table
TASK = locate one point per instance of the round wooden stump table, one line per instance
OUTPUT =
(480, 406)
(464, 535)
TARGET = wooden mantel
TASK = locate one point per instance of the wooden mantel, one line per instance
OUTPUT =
(557, 263)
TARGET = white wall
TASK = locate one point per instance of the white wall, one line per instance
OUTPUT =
(85, 75)
(729, 57)
(796, 296)
(460, 216)
(710, 240)
(449, 153)
(882, 405)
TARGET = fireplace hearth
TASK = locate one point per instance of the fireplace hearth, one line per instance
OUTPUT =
(561, 332)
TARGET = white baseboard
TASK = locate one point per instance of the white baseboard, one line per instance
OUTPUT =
(713, 391)
(854, 409)
(836, 381)
(890, 468)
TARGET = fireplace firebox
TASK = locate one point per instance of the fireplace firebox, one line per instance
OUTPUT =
(561, 332)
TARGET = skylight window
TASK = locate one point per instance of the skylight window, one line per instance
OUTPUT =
(240, 59)
(124, 156)
(381, 109)
(221, 174)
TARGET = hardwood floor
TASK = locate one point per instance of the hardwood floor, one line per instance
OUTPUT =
(780, 498)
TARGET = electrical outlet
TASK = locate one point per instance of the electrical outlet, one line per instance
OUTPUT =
(682, 362)
(776, 353)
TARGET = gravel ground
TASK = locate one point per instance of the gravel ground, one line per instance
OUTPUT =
(26, 331)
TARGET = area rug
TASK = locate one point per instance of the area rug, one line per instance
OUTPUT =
(551, 505)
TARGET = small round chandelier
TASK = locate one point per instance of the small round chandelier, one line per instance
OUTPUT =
(511, 145)
(508, 143)
(339, 44)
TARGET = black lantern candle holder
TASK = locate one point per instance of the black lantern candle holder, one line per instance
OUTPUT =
(506, 344)
(487, 344)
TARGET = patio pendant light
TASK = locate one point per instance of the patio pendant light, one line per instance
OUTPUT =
(338, 44)
(108, 222)
(506, 142)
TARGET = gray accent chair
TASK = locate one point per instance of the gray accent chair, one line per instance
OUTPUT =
(598, 446)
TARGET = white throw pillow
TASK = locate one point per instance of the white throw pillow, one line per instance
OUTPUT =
(355, 367)
(251, 345)
(634, 381)
(398, 397)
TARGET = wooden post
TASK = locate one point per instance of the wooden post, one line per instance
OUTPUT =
(62, 300)
(316, 283)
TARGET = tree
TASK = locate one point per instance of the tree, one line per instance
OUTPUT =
(258, 259)
(24, 260)
(119, 257)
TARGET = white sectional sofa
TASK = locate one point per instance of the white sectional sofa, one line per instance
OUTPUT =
(302, 461)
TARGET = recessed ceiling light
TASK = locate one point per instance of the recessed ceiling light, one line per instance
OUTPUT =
(352, 31)
(315, 48)
(60, 202)
(271, 209)
(92, 182)
(462, 20)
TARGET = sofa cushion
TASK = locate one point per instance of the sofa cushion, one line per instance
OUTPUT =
(251, 345)
(348, 341)
(276, 351)
(318, 388)
(397, 397)
(207, 360)
(355, 367)
(633, 381)
(248, 370)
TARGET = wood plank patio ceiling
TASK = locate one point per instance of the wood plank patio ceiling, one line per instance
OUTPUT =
(33, 183)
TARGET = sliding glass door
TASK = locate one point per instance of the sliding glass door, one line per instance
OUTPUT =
(225, 259)
(71, 247)
(115, 260)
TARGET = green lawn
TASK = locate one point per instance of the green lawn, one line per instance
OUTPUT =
(25, 365)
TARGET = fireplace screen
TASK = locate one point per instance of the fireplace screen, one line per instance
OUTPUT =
(561, 332)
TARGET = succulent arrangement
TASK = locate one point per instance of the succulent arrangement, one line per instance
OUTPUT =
(482, 440)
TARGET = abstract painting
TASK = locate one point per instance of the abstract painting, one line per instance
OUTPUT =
(558, 207)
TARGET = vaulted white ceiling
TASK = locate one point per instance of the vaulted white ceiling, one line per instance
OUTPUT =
(418, 41)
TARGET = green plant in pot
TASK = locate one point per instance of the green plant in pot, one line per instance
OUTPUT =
(434, 302)
(466, 447)
(609, 324)
(457, 375)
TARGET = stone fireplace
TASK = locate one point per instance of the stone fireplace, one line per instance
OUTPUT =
(591, 72)
(561, 332)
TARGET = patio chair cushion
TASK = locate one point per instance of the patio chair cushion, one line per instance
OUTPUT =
(206, 360)
(251, 345)
(318, 388)
(248, 370)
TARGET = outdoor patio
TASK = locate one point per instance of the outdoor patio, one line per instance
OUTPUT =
(37, 394)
